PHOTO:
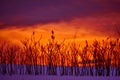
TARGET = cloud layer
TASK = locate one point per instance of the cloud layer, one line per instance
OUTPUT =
(28, 12)
(89, 19)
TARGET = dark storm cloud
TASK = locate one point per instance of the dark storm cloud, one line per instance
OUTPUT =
(26, 12)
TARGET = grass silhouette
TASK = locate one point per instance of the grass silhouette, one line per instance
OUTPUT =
(100, 58)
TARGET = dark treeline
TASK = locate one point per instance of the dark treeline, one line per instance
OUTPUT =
(100, 58)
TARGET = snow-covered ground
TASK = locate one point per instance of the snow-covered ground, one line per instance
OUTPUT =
(31, 77)
(45, 76)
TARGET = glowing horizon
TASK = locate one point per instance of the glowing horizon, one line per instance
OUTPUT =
(63, 30)
(84, 20)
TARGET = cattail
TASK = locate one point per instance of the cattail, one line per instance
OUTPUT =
(52, 36)
(33, 32)
(52, 32)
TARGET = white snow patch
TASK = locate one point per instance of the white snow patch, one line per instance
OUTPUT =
(40, 77)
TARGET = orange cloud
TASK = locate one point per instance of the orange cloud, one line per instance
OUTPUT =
(88, 28)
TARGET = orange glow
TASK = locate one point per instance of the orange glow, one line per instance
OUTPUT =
(63, 30)
(73, 31)
(78, 29)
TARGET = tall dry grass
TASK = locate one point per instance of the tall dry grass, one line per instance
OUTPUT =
(101, 58)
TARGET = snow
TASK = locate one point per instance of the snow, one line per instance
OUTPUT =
(45, 76)
(40, 77)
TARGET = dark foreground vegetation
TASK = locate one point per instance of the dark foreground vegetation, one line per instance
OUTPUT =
(99, 58)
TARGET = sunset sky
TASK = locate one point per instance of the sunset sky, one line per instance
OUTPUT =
(88, 19)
